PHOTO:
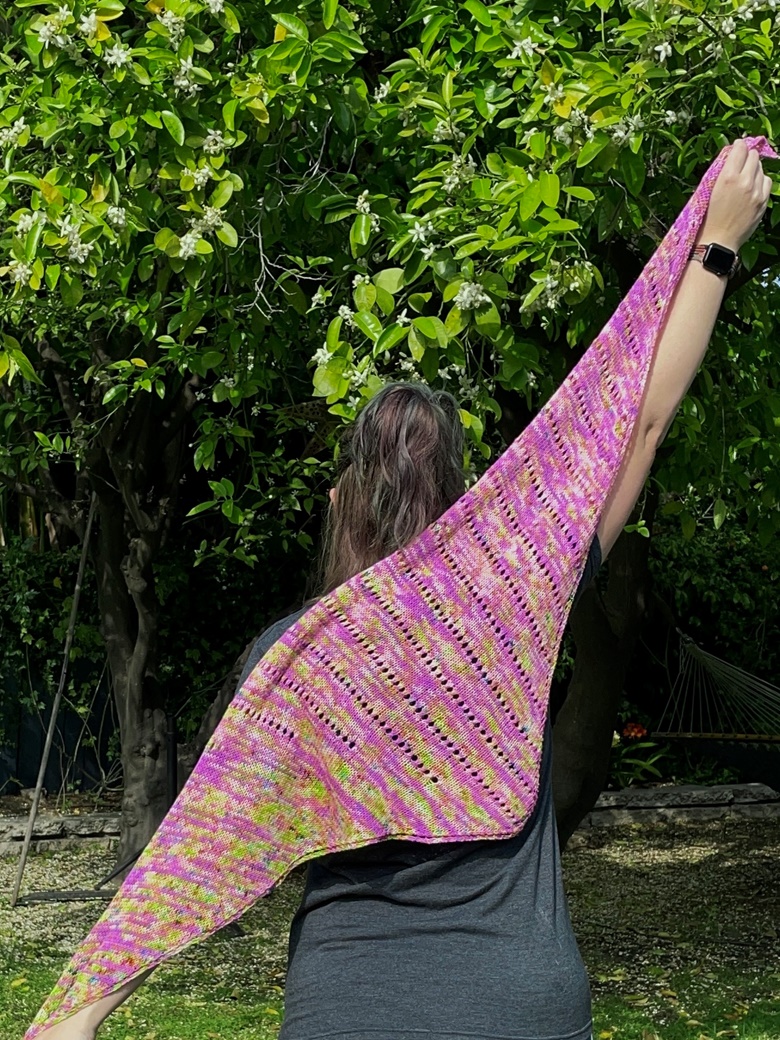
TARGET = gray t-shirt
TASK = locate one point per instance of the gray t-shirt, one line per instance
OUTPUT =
(452, 941)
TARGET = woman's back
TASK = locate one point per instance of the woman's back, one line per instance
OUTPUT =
(458, 940)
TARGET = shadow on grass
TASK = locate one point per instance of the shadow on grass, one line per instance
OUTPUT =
(678, 928)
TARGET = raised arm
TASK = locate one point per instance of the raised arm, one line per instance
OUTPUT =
(737, 205)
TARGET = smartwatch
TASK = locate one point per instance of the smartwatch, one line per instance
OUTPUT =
(718, 259)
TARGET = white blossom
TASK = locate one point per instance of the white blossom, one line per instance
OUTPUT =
(215, 6)
(66, 226)
(361, 279)
(553, 92)
(470, 295)
(10, 135)
(322, 356)
(421, 231)
(175, 26)
(362, 204)
(117, 56)
(25, 222)
(19, 272)
(729, 28)
(49, 34)
(78, 250)
(403, 318)
(182, 77)
(670, 117)
(214, 142)
(374, 222)
(88, 25)
(523, 48)
(664, 51)
(381, 92)
(622, 130)
(320, 297)
(211, 219)
(117, 215)
(188, 244)
(345, 314)
(715, 49)
(562, 133)
(358, 379)
(461, 172)
(429, 250)
(201, 176)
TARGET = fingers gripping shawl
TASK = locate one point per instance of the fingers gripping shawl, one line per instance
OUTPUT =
(411, 701)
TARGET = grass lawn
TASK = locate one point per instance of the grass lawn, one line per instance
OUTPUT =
(680, 929)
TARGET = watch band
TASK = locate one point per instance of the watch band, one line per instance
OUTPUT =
(701, 253)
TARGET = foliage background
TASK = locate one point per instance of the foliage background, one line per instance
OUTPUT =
(243, 219)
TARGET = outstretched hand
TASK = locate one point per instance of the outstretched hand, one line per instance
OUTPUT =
(739, 199)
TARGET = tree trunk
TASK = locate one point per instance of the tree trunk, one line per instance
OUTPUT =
(605, 630)
(129, 623)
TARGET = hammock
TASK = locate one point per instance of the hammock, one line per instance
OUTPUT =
(714, 700)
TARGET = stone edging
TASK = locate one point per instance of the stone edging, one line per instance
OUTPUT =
(683, 804)
(686, 804)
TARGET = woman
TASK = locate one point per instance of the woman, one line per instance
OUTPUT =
(463, 939)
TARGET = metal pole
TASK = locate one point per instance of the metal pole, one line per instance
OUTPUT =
(56, 705)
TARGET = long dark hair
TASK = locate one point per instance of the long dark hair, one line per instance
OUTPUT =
(400, 466)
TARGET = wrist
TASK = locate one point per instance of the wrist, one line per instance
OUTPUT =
(709, 234)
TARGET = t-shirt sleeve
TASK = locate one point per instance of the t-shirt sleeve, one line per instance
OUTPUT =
(592, 565)
(264, 644)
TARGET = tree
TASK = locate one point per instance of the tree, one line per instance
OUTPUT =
(200, 202)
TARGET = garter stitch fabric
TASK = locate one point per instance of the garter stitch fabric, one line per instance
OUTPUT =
(411, 701)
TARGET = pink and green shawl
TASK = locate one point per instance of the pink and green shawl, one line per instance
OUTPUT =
(411, 701)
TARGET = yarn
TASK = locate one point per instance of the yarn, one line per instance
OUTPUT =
(411, 701)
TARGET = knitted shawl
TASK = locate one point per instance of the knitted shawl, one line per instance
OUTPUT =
(411, 701)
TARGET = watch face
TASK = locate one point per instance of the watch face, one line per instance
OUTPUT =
(719, 259)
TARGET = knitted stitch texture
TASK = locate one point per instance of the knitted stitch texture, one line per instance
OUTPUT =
(410, 702)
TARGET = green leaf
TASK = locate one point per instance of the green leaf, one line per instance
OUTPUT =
(115, 393)
(633, 169)
(391, 336)
(71, 289)
(227, 233)
(719, 514)
(364, 296)
(456, 321)
(550, 187)
(229, 19)
(479, 13)
(368, 324)
(579, 192)
(724, 97)
(173, 125)
(530, 200)
(391, 279)
(52, 275)
(592, 148)
(488, 320)
(329, 379)
(329, 8)
(292, 24)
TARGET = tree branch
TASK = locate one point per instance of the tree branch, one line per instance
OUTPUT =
(51, 357)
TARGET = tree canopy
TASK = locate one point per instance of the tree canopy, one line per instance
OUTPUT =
(220, 223)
